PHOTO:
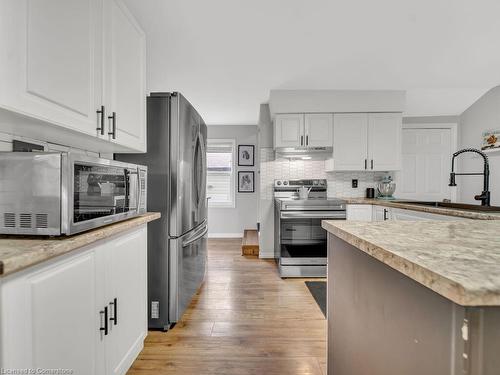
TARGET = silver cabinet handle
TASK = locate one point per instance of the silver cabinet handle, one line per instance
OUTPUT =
(366, 163)
(307, 140)
(112, 125)
(302, 140)
(372, 163)
(101, 113)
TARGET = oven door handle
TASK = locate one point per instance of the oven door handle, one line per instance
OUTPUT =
(313, 215)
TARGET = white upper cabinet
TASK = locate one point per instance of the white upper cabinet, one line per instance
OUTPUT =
(350, 141)
(62, 61)
(367, 141)
(51, 66)
(125, 76)
(289, 130)
(303, 130)
(318, 129)
(384, 141)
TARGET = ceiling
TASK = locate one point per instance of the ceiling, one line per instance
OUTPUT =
(225, 55)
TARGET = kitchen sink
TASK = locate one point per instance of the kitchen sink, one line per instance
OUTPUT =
(456, 206)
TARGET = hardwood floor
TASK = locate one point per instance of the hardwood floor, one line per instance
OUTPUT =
(244, 320)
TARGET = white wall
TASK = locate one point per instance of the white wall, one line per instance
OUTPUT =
(225, 222)
(484, 114)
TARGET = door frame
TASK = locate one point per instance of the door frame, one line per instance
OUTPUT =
(453, 127)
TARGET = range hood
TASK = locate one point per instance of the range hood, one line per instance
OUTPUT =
(306, 153)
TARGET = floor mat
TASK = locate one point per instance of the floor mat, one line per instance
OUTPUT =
(318, 291)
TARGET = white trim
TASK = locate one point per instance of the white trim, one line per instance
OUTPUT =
(453, 126)
(225, 235)
(263, 254)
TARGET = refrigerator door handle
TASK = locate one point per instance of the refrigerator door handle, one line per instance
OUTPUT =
(196, 237)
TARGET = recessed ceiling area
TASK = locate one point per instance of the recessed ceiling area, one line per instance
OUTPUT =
(225, 55)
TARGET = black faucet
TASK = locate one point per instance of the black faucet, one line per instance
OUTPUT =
(484, 197)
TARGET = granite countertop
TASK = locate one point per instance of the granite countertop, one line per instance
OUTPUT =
(459, 260)
(19, 252)
(477, 215)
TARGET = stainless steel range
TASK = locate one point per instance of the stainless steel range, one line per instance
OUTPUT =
(299, 241)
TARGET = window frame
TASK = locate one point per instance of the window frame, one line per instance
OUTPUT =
(232, 203)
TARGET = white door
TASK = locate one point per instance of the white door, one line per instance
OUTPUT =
(426, 164)
(289, 130)
(126, 282)
(318, 129)
(350, 141)
(125, 76)
(53, 67)
(64, 317)
(384, 141)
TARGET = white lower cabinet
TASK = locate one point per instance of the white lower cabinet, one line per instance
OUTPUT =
(381, 213)
(402, 215)
(52, 316)
(126, 296)
(359, 212)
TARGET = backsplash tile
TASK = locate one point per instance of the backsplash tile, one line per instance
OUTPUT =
(339, 183)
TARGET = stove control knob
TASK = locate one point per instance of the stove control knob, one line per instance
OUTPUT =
(285, 182)
(322, 182)
(315, 182)
(278, 183)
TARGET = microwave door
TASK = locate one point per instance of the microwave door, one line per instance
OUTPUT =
(132, 192)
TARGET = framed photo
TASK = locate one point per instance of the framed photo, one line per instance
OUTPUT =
(246, 182)
(491, 139)
(246, 155)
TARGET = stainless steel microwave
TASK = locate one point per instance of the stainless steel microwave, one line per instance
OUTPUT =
(66, 193)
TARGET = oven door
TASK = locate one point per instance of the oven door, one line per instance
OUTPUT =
(302, 239)
(99, 192)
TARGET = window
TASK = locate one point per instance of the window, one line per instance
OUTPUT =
(220, 172)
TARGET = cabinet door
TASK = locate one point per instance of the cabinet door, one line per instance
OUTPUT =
(125, 75)
(360, 212)
(126, 281)
(381, 213)
(289, 130)
(52, 66)
(350, 139)
(384, 141)
(50, 318)
(318, 129)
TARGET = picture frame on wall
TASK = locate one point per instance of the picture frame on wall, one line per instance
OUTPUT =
(491, 139)
(246, 182)
(246, 155)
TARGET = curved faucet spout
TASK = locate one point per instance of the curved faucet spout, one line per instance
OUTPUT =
(484, 197)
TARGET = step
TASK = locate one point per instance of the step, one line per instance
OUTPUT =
(250, 242)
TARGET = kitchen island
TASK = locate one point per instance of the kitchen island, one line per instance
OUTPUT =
(413, 297)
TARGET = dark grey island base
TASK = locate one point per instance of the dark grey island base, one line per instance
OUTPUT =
(382, 322)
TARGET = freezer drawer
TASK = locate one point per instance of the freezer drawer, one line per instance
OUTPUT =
(188, 260)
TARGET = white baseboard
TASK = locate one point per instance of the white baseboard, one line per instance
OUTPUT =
(266, 254)
(225, 235)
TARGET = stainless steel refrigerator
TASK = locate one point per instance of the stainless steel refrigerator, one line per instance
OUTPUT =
(177, 243)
